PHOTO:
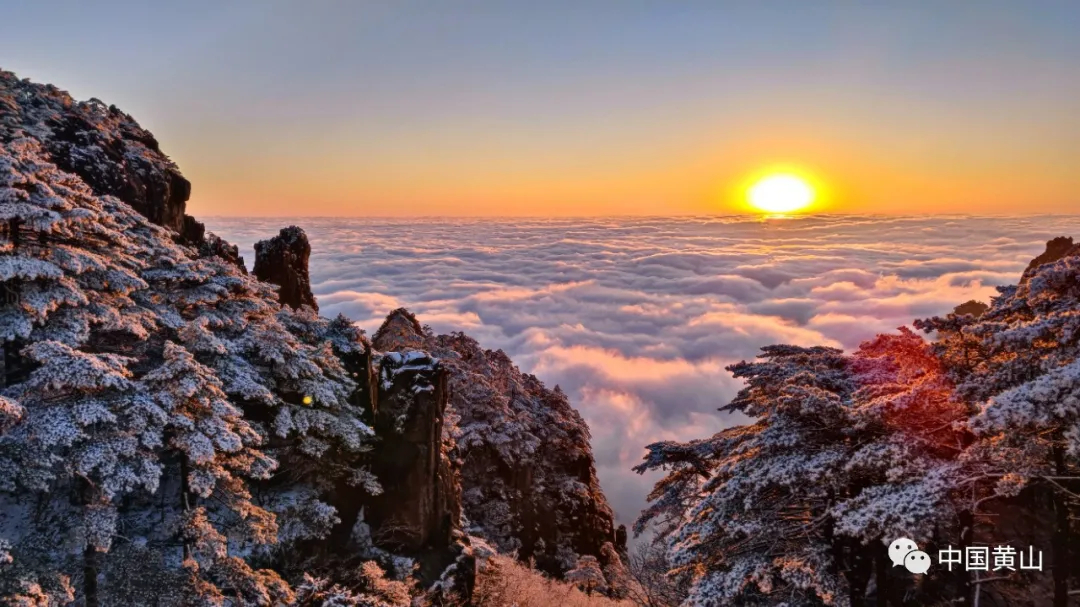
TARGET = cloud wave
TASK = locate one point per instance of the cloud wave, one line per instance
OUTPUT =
(636, 318)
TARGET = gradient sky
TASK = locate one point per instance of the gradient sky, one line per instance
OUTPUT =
(570, 108)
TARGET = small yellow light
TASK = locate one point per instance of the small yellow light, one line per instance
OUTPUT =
(307, 400)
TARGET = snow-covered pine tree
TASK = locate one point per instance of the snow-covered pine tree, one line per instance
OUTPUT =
(21, 584)
(338, 436)
(845, 454)
(1026, 381)
(215, 450)
(372, 590)
(321, 592)
(907, 477)
(751, 509)
(67, 267)
(281, 367)
(87, 282)
(88, 429)
(67, 261)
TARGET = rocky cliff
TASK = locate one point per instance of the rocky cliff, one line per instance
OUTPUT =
(110, 153)
(400, 448)
(104, 146)
(181, 432)
(528, 480)
(466, 438)
(1057, 248)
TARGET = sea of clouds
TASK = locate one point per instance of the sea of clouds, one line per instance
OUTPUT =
(636, 318)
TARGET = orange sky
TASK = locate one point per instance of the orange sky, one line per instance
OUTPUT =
(860, 168)
(601, 108)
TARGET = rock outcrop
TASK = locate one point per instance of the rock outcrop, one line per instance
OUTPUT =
(400, 331)
(420, 506)
(111, 153)
(212, 246)
(971, 308)
(447, 416)
(104, 146)
(1056, 249)
(220, 418)
(527, 475)
(283, 261)
(130, 165)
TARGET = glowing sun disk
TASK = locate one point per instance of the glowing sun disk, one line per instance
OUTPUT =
(780, 193)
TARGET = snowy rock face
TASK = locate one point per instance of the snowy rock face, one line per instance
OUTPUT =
(105, 147)
(399, 332)
(420, 506)
(283, 261)
(150, 388)
(527, 476)
(171, 434)
(210, 245)
(1056, 249)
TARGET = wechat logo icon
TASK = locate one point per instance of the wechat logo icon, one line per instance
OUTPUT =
(904, 552)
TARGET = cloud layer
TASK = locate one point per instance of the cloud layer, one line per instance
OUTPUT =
(637, 318)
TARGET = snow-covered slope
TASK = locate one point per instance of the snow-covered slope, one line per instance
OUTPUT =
(149, 389)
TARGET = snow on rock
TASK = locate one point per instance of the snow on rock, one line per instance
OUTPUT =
(421, 504)
(103, 146)
(399, 332)
(1056, 249)
(149, 389)
(527, 475)
(171, 433)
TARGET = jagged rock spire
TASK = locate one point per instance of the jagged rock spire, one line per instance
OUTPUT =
(399, 332)
(421, 501)
(283, 261)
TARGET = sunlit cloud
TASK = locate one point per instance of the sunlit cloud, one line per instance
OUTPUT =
(636, 318)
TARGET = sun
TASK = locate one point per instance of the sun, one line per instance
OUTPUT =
(780, 193)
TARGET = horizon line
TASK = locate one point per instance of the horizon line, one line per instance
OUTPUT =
(761, 216)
